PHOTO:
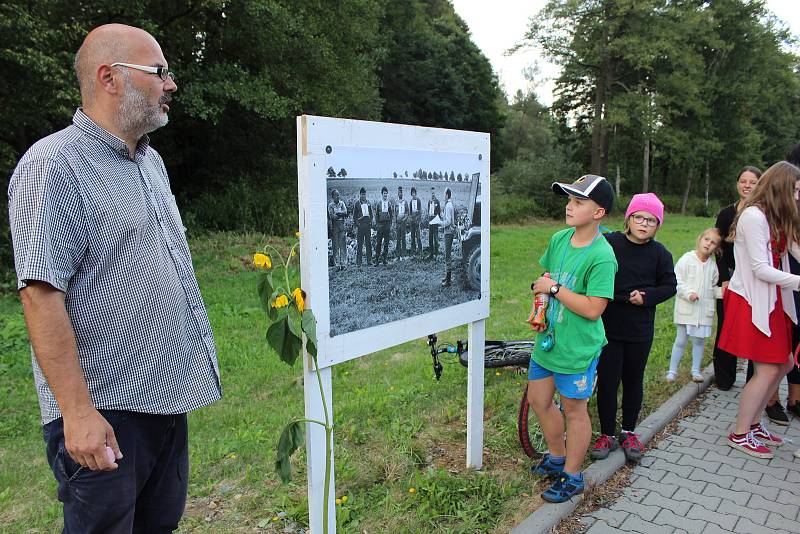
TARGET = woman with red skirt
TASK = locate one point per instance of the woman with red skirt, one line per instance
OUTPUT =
(759, 307)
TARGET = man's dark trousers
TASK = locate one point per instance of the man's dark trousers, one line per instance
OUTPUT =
(383, 239)
(145, 494)
(433, 240)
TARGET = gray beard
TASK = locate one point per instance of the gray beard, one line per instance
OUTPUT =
(136, 116)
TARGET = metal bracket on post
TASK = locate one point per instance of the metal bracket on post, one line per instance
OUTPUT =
(477, 339)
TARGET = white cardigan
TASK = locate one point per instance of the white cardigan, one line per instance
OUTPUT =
(755, 278)
(700, 278)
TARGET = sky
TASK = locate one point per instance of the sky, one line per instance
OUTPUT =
(381, 164)
(497, 25)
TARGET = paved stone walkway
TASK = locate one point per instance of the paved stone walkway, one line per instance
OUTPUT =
(693, 482)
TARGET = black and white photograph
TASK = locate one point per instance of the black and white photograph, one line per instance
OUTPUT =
(404, 234)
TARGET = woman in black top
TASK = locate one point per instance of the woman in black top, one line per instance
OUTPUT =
(724, 363)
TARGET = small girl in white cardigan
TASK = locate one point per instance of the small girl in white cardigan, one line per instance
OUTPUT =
(695, 302)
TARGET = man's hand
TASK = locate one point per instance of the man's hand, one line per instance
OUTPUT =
(693, 297)
(86, 435)
(543, 285)
(637, 297)
(86, 432)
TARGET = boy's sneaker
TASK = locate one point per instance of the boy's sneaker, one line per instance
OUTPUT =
(564, 488)
(631, 446)
(761, 433)
(670, 376)
(546, 467)
(603, 447)
(749, 444)
(776, 414)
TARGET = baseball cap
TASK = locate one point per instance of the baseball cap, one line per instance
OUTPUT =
(589, 186)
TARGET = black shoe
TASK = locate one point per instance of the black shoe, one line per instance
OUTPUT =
(793, 409)
(777, 414)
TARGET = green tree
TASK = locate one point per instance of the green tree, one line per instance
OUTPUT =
(432, 74)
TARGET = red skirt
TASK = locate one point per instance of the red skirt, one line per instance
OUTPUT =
(741, 338)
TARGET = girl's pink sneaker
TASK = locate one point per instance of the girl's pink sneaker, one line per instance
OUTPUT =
(749, 444)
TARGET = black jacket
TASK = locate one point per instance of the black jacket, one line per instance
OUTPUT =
(647, 267)
(725, 261)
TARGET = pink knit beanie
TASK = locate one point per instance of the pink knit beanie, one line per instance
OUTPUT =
(648, 202)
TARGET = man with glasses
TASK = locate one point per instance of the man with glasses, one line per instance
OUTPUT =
(122, 345)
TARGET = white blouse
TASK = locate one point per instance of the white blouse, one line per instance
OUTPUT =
(755, 278)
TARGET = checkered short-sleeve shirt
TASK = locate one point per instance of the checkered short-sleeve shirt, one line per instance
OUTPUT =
(104, 228)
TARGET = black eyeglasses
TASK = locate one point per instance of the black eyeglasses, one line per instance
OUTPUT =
(639, 219)
(161, 72)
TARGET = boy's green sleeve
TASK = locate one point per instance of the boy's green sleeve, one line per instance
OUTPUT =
(600, 279)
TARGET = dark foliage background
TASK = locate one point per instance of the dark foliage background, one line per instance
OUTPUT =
(672, 96)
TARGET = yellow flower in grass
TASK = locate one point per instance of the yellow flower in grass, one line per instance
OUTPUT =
(262, 260)
(281, 301)
(299, 299)
(297, 234)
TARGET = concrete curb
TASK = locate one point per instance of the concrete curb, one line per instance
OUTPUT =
(549, 515)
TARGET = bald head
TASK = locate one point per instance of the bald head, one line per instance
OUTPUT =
(108, 44)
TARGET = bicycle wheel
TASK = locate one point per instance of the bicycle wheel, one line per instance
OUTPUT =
(503, 354)
(528, 431)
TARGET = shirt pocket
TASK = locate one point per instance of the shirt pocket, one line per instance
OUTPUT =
(685, 307)
(117, 224)
(709, 305)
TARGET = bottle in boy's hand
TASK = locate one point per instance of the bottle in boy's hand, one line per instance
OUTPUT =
(538, 318)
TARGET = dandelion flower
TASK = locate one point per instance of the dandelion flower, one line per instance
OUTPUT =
(297, 233)
(281, 301)
(293, 254)
(338, 501)
(412, 490)
(344, 498)
(299, 298)
(262, 260)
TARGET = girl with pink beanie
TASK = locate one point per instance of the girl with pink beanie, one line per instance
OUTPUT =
(644, 279)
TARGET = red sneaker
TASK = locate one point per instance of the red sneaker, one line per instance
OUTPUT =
(603, 447)
(749, 444)
(761, 433)
(631, 446)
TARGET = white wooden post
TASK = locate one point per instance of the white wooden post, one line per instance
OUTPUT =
(315, 446)
(477, 338)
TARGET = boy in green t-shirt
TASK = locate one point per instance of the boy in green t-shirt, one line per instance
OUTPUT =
(582, 267)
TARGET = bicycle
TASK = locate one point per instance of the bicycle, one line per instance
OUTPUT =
(499, 354)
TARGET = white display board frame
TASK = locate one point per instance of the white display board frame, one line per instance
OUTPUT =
(315, 135)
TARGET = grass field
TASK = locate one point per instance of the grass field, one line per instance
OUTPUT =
(396, 427)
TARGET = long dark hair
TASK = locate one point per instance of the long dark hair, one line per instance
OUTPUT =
(774, 196)
(749, 168)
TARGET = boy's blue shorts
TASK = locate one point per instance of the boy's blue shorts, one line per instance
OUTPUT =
(577, 386)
